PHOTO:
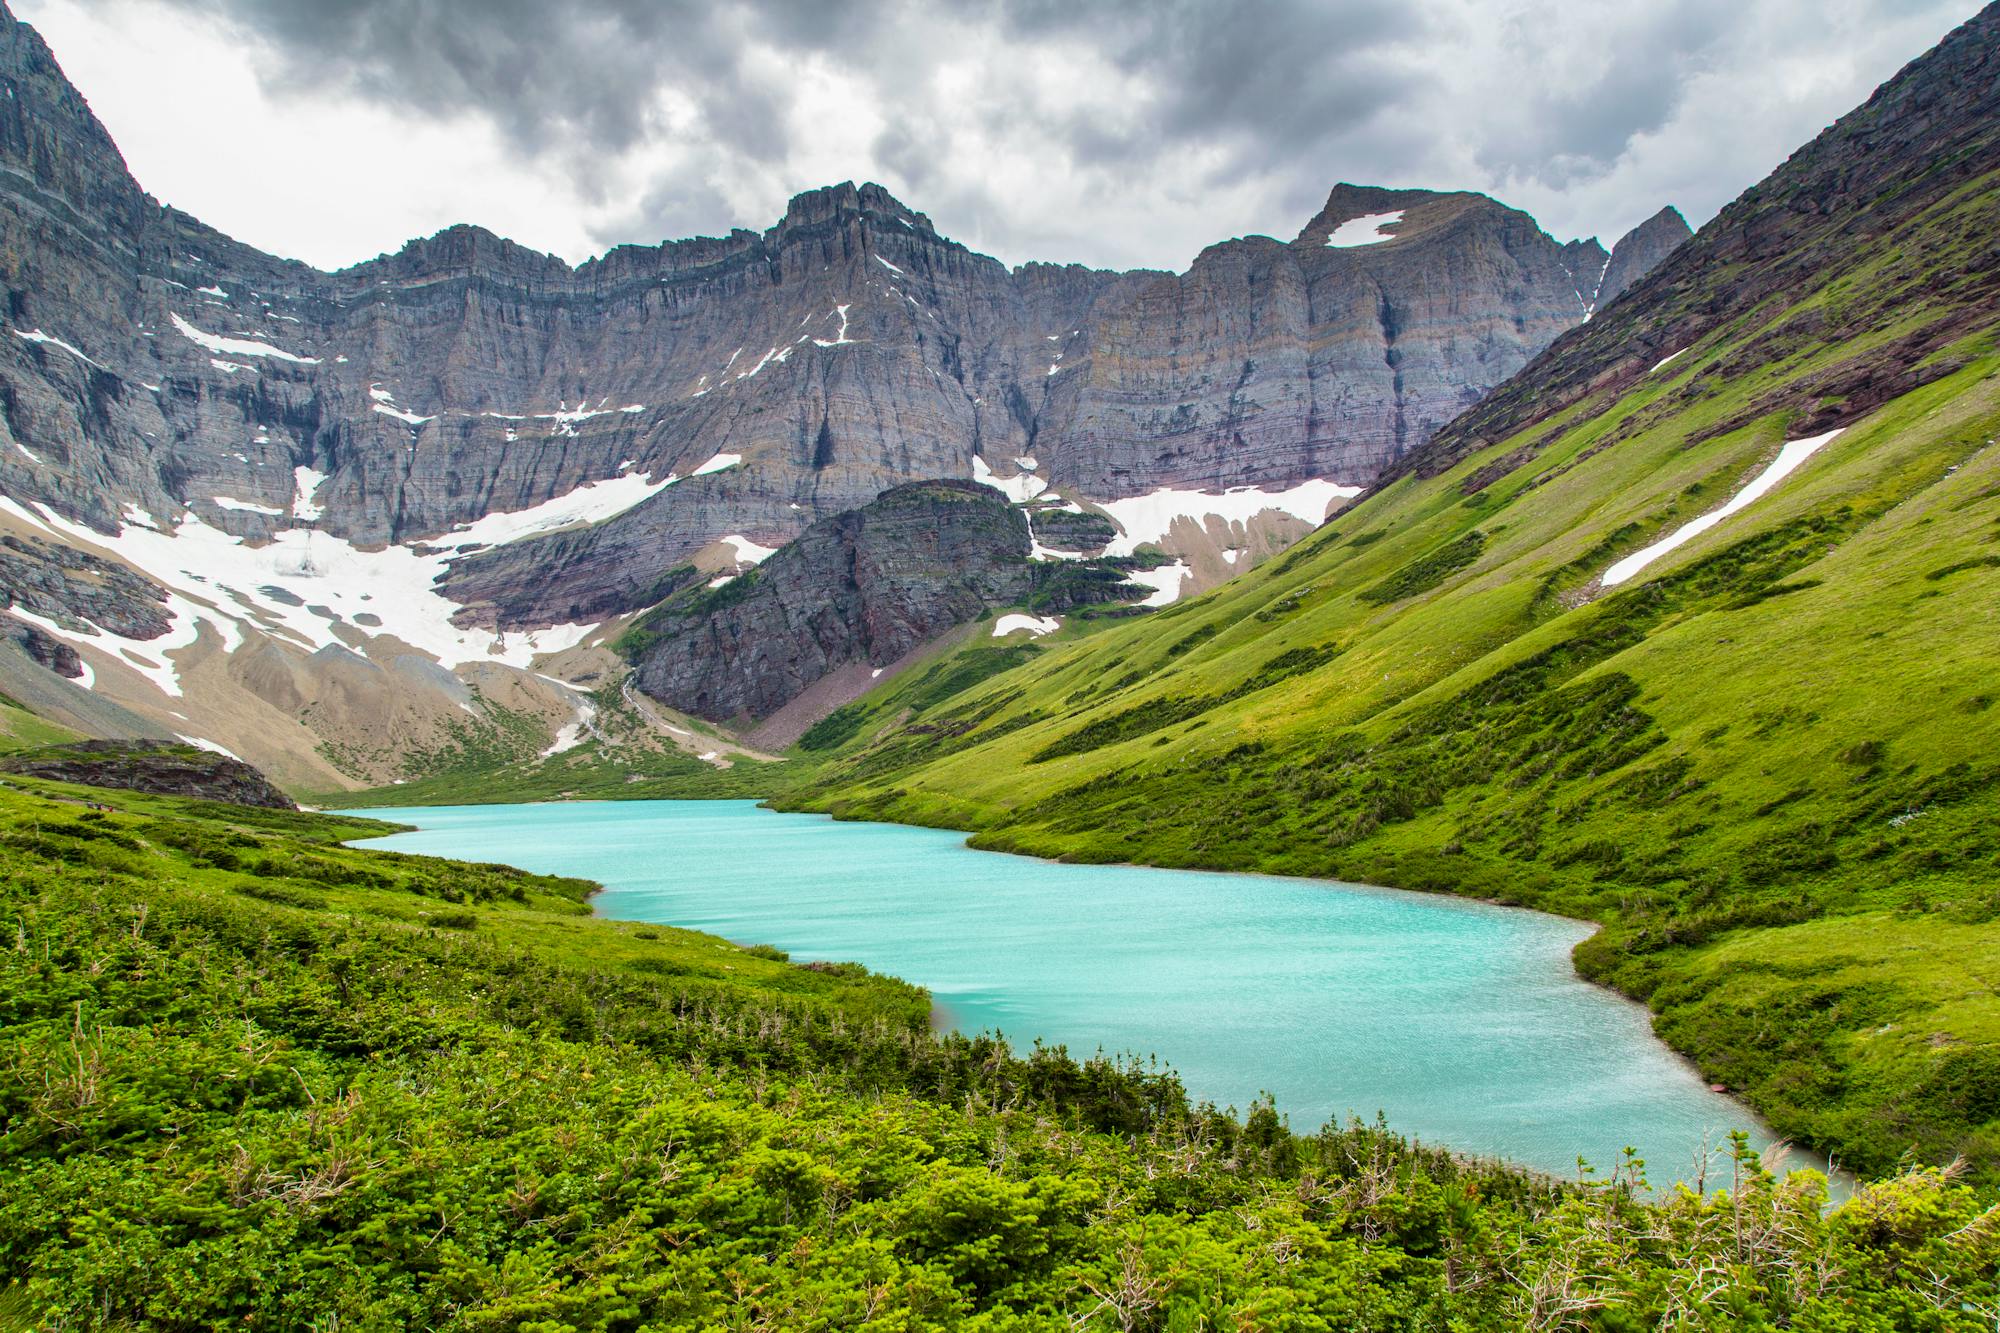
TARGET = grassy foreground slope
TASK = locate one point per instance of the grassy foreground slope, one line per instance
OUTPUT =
(250, 1077)
(1769, 764)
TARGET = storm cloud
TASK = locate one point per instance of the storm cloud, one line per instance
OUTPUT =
(1121, 133)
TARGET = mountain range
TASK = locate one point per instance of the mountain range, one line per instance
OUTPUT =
(389, 491)
(1668, 610)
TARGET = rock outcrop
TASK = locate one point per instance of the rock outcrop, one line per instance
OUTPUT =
(42, 648)
(77, 589)
(865, 586)
(1640, 251)
(161, 769)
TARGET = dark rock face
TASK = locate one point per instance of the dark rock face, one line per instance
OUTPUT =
(864, 586)
(43, 647)
(1640, 251)
(161, 769)
(152, 362)
(1586, 262)
(61, 583)
(1920, 138)
(1067, 530)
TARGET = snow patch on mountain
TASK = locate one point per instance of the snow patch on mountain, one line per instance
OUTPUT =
(50, 340)
(1167, 582)
(1787, 461)
(1014, 622)
(306, 483)
(840, 338)
(220, 343)
(747, 551)
(592, 502)
(1371, 229)
(248, 506)
(1148, 518)
(1020, 489)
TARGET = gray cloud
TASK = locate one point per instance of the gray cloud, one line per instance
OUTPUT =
(1135, 131)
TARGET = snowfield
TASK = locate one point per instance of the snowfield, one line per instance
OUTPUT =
(579, 728)
(592, 502)
(1144, 519)
(313, 589)
(1015, 622)
(747, 551)
(1166, 582)
(1371, 229)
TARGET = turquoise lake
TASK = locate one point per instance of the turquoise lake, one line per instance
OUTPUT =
(1463, 1022)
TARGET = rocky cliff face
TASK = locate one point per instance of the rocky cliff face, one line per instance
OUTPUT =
(1267, 363)
(1640, 251)
(477, 454)
(865, 586)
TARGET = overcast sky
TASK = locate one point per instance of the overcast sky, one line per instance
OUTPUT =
(1116, 133)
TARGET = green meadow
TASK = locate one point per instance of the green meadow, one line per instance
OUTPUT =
(251, 1076)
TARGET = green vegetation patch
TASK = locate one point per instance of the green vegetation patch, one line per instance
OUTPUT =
(1428, 572)
(240, 1098)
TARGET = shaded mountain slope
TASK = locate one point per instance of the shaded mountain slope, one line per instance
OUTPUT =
(861, 588)
(1761, 751)
(1638, 252)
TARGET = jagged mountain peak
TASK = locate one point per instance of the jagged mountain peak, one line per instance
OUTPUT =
(869, 202)
(1640, 250)
(1348, 203)
(461, 247)
(1396, 214)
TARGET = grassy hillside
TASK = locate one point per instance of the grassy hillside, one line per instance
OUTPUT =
(21, 729)
(1769, 764)
(251, 1077)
